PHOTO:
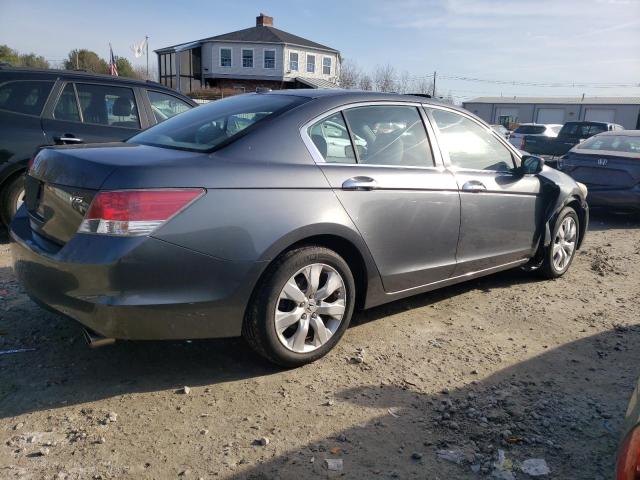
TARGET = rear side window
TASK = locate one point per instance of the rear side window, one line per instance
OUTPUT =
(166, 106)
(210, 126)
(67, 106)
(469, 145)
(107, 105)
(530, 129)
(389, 135)
(26, 97)
(331, 138)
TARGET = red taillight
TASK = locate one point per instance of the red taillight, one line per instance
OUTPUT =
(628, 464)
(135, 212)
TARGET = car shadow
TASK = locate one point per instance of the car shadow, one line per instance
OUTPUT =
(537, 408)
(603, 220)
(4, 236)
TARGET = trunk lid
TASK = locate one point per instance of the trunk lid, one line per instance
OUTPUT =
(63, 181)
(599, 170)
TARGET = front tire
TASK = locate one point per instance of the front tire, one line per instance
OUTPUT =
(302, 306)
(11, 197)
(564, 243)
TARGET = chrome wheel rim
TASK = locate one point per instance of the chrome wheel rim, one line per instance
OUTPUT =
(20, 200)
(565, 243)
(310, 308)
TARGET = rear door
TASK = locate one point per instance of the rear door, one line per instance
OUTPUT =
(394, 187)
(501, 211)
(92, 112)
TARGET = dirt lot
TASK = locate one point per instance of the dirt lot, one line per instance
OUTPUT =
(477, 377)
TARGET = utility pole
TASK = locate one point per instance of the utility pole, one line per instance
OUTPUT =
(146, 38)
(77, 65)
(434, 85)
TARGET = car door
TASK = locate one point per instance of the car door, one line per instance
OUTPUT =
(501, 210)
(393, 186)
(91, 113)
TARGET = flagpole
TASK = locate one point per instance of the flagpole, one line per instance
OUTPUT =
(146, 37)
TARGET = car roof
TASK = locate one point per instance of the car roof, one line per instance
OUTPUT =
(350, 96)
(53, 74)
(620, 133)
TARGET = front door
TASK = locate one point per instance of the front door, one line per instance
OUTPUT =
(92, 113)
(405, 205)
(501, 210)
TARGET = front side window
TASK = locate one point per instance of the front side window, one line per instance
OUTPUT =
(331, 138)
(469, 145)
(389, 135)
(210, 126)
(67, 106)
(326, 66)
(165, 106)
(247, 58)
(269, 59)
(26, 97)
(107, 105)
(293, 61)
(225, 57)
(311, 63)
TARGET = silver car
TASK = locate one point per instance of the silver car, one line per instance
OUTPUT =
(532, 129)
(276, 215)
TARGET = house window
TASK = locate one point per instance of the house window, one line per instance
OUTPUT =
(326, 66)
(247, 58)
(225, 57)
(311, 63)
(293, 61)
(269, 59)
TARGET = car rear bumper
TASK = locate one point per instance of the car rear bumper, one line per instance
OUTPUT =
(628, 199)
(137, 288)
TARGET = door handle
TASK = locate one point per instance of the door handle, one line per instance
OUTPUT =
(360, 183)
(67, 138)
(473, 186)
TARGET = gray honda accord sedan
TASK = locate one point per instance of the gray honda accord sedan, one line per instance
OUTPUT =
(275, 215)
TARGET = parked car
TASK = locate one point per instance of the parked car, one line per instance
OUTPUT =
(571, 133)
(628, 458)
(56, 107)
(191, 229)
(609, 164)
(502, 130)
(532, 129)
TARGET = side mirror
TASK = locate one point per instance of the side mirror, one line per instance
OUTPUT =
(530, 165)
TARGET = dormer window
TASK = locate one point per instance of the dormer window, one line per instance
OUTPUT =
(247, 58)
(311, 63)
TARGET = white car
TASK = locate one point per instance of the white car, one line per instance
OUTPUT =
(535, 129)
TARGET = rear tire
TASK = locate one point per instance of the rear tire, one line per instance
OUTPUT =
(301, 308)
(10, 197)
(559, 255)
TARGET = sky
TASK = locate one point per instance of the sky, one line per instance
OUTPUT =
(477, 47)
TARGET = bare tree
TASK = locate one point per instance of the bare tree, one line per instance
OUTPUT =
(384, 78)
(140, 72)
(404, 82)
(422, 85)
(365, 82)
(350, 74)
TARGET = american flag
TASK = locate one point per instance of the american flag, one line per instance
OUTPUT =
(113, 68)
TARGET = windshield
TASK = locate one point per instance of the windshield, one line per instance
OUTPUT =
(530, 129)
(210, 126)
(612, 143)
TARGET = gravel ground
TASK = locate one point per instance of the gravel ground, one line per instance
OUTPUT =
(495, 376)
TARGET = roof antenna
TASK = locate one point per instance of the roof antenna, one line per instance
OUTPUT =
(582, 97)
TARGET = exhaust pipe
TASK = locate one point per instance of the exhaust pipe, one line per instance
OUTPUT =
(95, 340)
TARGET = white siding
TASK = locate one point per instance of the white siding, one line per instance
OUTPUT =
(302, 63)
(211, 59)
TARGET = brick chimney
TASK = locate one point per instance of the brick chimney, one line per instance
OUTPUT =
(264, 21)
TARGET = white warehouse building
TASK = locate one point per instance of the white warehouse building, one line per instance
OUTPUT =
(515, 110)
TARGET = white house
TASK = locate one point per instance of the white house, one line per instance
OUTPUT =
(260, 56)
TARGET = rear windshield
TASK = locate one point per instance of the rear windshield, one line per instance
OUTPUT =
(530, 129)
(26, 97)
(612, 143)
(208, 127)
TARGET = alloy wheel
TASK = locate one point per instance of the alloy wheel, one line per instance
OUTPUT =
(310, 308)
(20, 199)
(565, 243)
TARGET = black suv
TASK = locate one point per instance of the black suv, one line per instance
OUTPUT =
(57, 107)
